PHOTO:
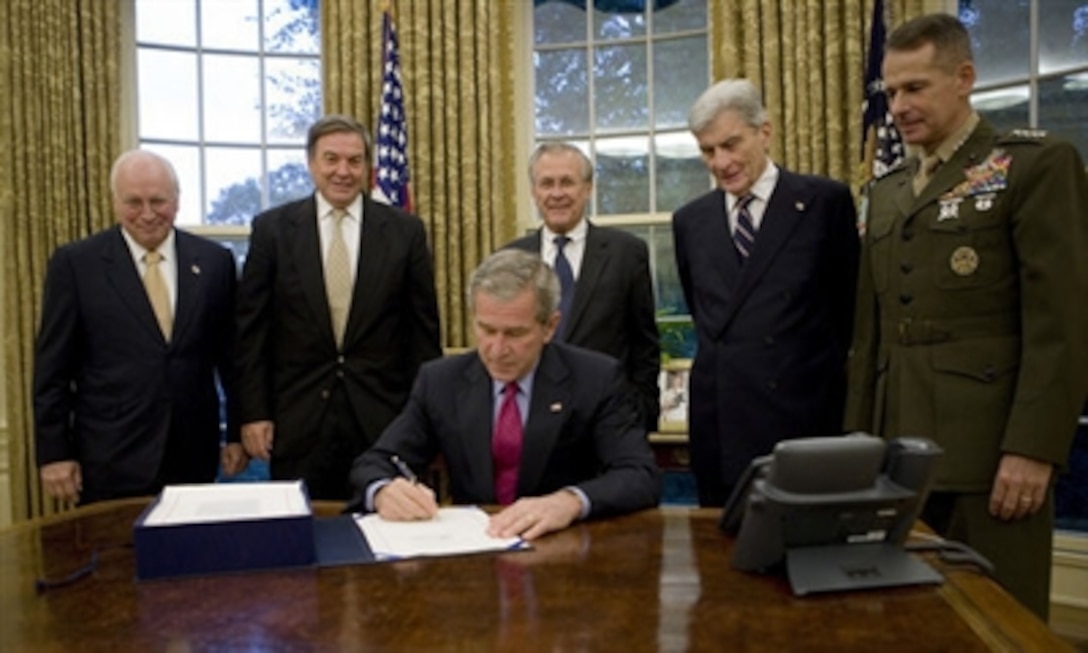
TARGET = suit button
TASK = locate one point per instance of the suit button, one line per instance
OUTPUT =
(340, 359)
(990, 374)
(907, 234)
(906, 267)
(324, 394)
(339, 374)
(905, 299)
(769, 341)
(772, 385)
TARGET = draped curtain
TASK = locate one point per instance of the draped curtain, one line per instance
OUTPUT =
(457, 63)
(808, 59)
(59, 123)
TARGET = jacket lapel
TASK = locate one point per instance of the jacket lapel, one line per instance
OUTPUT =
(547, 412)
(786, 208)
(370, 270)
(306, 258)
(475, 405)
(122, 275)
(190, 285)
(595, 258)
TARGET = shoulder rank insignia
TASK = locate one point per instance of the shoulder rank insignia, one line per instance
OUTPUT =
(1022, 135)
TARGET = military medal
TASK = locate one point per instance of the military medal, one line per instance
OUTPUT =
(984, 201)
(950, 209)
(964, 261)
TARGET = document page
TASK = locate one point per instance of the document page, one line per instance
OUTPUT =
(456, 530)
(223, 502)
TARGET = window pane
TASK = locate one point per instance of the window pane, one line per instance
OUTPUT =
(1063, 109)
(168, 23)
(229, 25)
(167, 88)
(288, 176)
(186, 161)
(679, 16)
(562, 94)
(1006, 108)
(674, 94)
(556, 21)
(621, 98)
(623, 167)
(1063, 25)
(231, 174)
(293, 92)
(681, 175)
(1000, 31)
(611, 24)
(232, 101)
(292, 26)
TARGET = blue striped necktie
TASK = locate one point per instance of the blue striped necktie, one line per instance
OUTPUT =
(744, 236)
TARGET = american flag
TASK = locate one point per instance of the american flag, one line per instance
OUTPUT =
(882, 148)
(391, 163)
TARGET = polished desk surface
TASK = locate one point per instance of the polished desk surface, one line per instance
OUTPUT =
(659, 580)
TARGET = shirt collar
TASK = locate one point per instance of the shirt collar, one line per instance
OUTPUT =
(577, 234)
(763, 187)
(166, 248)
(949, 146)
(325, 208)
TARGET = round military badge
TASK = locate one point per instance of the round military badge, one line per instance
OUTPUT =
(964, 261)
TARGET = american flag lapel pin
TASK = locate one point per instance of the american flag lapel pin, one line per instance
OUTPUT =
(556, 407)
(195, 269)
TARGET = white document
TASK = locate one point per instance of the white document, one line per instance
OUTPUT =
(456, 530)
(225, 502)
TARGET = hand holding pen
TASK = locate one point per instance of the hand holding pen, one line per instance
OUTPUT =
(405, 498)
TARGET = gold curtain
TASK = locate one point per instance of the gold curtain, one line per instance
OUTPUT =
(457, 65)
(60, 76)
(808, 58)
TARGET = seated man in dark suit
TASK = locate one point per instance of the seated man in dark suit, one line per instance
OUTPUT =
(546, 429)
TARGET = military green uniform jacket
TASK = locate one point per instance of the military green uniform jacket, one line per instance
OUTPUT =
(970, 327)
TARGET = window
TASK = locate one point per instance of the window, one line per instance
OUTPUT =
(226, 91)
(1032, 60)
(616, 78)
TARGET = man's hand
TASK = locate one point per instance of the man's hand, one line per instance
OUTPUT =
(63, 479)
(257, 438)
(1020, 487)
(233, 458)
(531, 517)
(403, 500)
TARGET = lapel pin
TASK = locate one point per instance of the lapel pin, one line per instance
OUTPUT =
(800, 206)
(556, 407)
(195, 269)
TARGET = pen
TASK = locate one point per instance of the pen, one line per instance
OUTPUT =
(404, 469)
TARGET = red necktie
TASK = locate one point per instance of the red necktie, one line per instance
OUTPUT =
(506, 446)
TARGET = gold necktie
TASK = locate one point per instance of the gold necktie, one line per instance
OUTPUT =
(338, 281)
(926, 168)
(158, 294)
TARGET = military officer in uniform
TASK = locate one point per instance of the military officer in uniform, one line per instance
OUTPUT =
(969, 327)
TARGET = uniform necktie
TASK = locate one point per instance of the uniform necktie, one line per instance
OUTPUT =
(566, 283)
(338, 283)
(158, 294)
(928, 166)
(744, 236)
(506, 446)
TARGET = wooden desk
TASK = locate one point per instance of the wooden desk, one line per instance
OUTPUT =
(658, 580)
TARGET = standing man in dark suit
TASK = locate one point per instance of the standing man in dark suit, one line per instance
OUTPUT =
(768, 263)
(971, 328)
(136, 323)
(542, 426)
(336, 312)
(607, 301)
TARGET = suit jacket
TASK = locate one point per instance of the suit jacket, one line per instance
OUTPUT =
(109, 391)
(287, 354)
(970, 323)
(613, 309)
(579, 432)
(772, 334)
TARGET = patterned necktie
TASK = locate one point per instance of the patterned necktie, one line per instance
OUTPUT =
(506, 446)
(158, 294)
(744, 236)
(338, 282)
(566, 284)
